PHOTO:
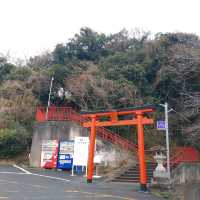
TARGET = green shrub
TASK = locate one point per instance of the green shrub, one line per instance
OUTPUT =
(13, 141)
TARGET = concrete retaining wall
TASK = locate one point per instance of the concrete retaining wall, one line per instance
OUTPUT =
(113, 155)
(186, 173)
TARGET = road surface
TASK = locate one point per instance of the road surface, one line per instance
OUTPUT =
(192, 191)
(20, 184)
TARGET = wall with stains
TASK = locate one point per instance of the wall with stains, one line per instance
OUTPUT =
(113, 156)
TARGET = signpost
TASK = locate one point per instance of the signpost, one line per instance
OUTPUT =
(98, 158)
(80, 158)
(161, 125)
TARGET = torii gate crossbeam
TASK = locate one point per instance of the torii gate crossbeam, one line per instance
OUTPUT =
(137, 118)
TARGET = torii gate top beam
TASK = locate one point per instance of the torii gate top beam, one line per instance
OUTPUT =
(114, 116)
(125, 111)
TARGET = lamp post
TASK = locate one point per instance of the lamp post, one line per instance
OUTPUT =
(167, 136)
(47, 110)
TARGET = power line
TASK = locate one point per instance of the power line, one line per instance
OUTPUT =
(180, 114)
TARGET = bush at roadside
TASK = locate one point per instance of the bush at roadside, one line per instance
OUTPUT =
(13, 141)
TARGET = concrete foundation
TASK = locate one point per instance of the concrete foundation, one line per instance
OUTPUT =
(186, 173)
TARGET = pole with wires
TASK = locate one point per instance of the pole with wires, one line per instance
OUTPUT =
(167, 137)
(49, 99)
(167, 110)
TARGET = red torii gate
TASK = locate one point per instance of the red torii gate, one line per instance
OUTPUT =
(137, 118)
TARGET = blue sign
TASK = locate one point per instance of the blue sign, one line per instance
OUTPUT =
(65, 156)
(161, 125)
(65, 161)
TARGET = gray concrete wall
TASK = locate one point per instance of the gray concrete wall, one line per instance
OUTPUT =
(112, 154)
(52, 131)
(186, 173)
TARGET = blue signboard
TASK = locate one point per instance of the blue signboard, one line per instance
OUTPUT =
(161, 125)
(65, 162)
(65, 156)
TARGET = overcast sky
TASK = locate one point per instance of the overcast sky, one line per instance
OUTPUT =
(29, 27)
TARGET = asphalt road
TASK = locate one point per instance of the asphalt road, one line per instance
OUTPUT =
(19, 184)
(192, 192)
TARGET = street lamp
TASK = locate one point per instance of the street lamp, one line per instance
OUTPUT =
(50, 88)
(167, 136)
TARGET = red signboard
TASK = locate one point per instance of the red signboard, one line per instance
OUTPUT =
(49, 154)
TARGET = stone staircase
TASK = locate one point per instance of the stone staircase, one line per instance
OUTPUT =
(132, 174)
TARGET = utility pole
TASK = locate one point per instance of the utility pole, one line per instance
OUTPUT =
(47, 110)
(167, 137)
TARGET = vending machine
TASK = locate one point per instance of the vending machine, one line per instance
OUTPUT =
(49, 154)
(65, 155)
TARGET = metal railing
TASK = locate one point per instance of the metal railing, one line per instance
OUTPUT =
(183, 154)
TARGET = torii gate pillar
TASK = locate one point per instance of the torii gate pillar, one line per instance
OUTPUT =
(91, 150)
(141, 153)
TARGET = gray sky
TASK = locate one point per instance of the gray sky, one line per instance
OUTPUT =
(29, 27)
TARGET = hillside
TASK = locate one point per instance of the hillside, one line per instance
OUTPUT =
(103, 72)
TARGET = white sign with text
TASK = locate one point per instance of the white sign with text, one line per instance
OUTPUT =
(81, 146)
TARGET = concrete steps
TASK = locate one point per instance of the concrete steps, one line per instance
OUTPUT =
(133, 175)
